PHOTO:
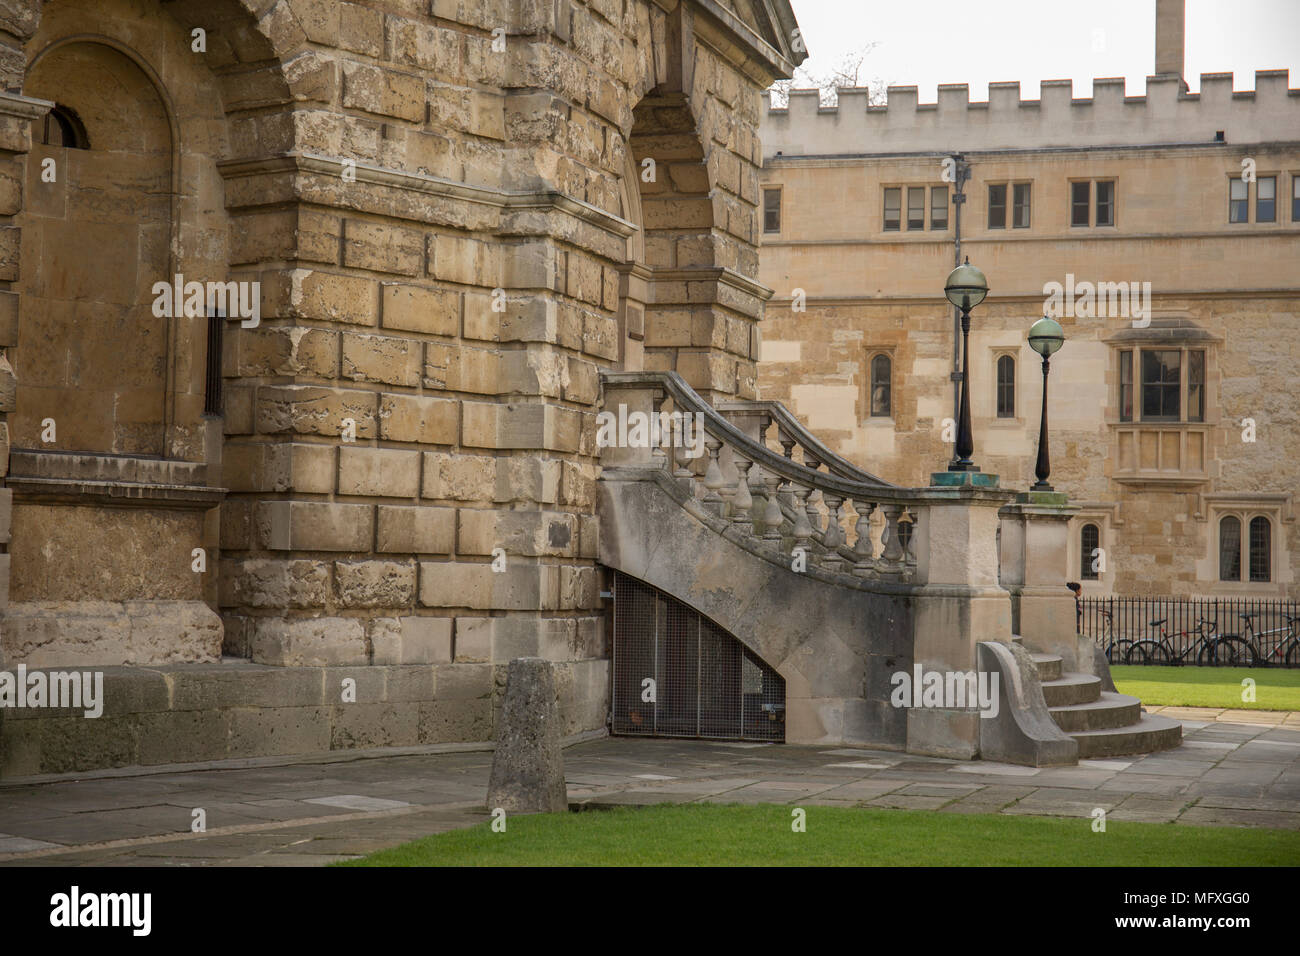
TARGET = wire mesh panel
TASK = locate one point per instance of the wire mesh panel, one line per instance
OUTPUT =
(677, 674)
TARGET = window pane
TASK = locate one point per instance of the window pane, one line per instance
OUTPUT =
(1106, 204)
(771, 210)
(1089, 541)
(1295, 198)
(1161, 384)
(1126, 386)
(1079, 193)
(893, 199)
(1261, 550)
(998, 207)
(1266, 199)
(939, 207)
(880, 387)
(1196, 386)
(1020, 210)
(1236, 200)
(916, 207)
(1006, 387)
(1229, 549)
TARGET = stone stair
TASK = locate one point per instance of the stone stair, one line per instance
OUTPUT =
(1104, 723)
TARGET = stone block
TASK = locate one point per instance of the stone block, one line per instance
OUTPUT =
(413, 418)
(414, 309)
(389, 584)
(417, 530)
(416, 640)
(305, 642)
(381, 358)
(458, 477)
(528, 763)
(392, 473)
(314, 526)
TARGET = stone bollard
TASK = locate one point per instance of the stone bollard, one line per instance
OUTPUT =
(528, 765)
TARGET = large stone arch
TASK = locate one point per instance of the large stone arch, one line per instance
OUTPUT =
(134, 472)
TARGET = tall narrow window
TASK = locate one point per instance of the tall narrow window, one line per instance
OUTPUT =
(212, 384)
(938, 207)
(1089, 542)
(1020, 206)
(1266, 199)
(1079, 193)
(1161, 384)
(771, 210)
(1126, 386)
(998, 206)
(1295, 198)
(1196, 385)
(1237, 200)
(881, 387)
(1105, 204)
(916, 207)
(1230, 549)
(1006, 387)
(1261, 549)
(893, 207)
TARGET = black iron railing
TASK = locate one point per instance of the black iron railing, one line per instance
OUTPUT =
(1206, 631)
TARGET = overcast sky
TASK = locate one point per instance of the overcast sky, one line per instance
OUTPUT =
(928, 42)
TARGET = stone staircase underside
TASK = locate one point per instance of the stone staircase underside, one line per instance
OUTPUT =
(1104, 723)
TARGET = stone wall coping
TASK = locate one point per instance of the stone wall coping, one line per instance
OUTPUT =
(198, 497)
(24, 107)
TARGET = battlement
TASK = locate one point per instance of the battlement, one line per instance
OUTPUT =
(1166, 114)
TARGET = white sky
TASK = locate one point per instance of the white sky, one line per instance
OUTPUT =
(928, 42)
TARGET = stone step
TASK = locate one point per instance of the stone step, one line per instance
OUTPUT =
(1148, 735)
(1048, 665)
(1112, 711)
(1070, 689)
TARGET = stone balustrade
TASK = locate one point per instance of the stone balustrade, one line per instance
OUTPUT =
(822, 513)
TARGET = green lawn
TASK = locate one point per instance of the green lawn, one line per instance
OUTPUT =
(1275, 688)
(725, 835)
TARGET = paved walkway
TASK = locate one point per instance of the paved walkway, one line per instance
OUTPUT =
(344, 805)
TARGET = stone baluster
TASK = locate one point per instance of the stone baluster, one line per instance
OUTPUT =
(864, 549)
(811, 460)
(788, 443)
(892, 559)
(742, 499)
(834, 533)
(772, 513)
(658, 457)
(713, 479)
(803, 528)
(683, 473)
(914, 526)
(810, 508)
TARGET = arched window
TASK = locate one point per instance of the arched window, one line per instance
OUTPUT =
(1230, 548)
(63, 127)
(882, 398)
(1261, 549)
(1089, 541)
(1006, 387)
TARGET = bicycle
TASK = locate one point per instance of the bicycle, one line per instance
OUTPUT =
(1159, 650)
(1236, 650)
(1108, 641)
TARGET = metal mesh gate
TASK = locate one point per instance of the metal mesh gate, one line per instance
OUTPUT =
(706, 683)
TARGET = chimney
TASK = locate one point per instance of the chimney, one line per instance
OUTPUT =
(1169, 37)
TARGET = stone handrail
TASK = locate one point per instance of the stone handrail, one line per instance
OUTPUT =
(792, 433)
(768, 497)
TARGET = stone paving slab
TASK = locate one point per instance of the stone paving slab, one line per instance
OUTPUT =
(311, 812)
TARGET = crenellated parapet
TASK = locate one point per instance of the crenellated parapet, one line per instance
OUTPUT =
(1166, 114)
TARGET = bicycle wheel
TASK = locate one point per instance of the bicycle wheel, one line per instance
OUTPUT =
(1233, 652)
(1293, 654)
(1146, 652)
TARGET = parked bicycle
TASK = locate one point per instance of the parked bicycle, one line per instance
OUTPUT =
(1115, 650)
(1158, 649)
(1244, 650)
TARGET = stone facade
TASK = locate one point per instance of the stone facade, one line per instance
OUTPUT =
(1155, 490)
(457, 214)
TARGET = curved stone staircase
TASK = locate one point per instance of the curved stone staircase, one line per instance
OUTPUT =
(1105, 723)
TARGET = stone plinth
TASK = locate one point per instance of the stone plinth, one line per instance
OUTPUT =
(528, 765)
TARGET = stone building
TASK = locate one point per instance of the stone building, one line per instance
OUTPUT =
(371, 456)
(1162, 229)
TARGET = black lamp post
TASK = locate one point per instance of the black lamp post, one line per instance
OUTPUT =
(966, 288)
(1045, 338)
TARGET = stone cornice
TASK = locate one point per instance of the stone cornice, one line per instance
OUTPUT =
(722, 275)
(736, 42)
(502, 199)
(23, 107)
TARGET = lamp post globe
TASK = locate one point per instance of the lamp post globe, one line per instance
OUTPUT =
(1046, 338)
(965, 288)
